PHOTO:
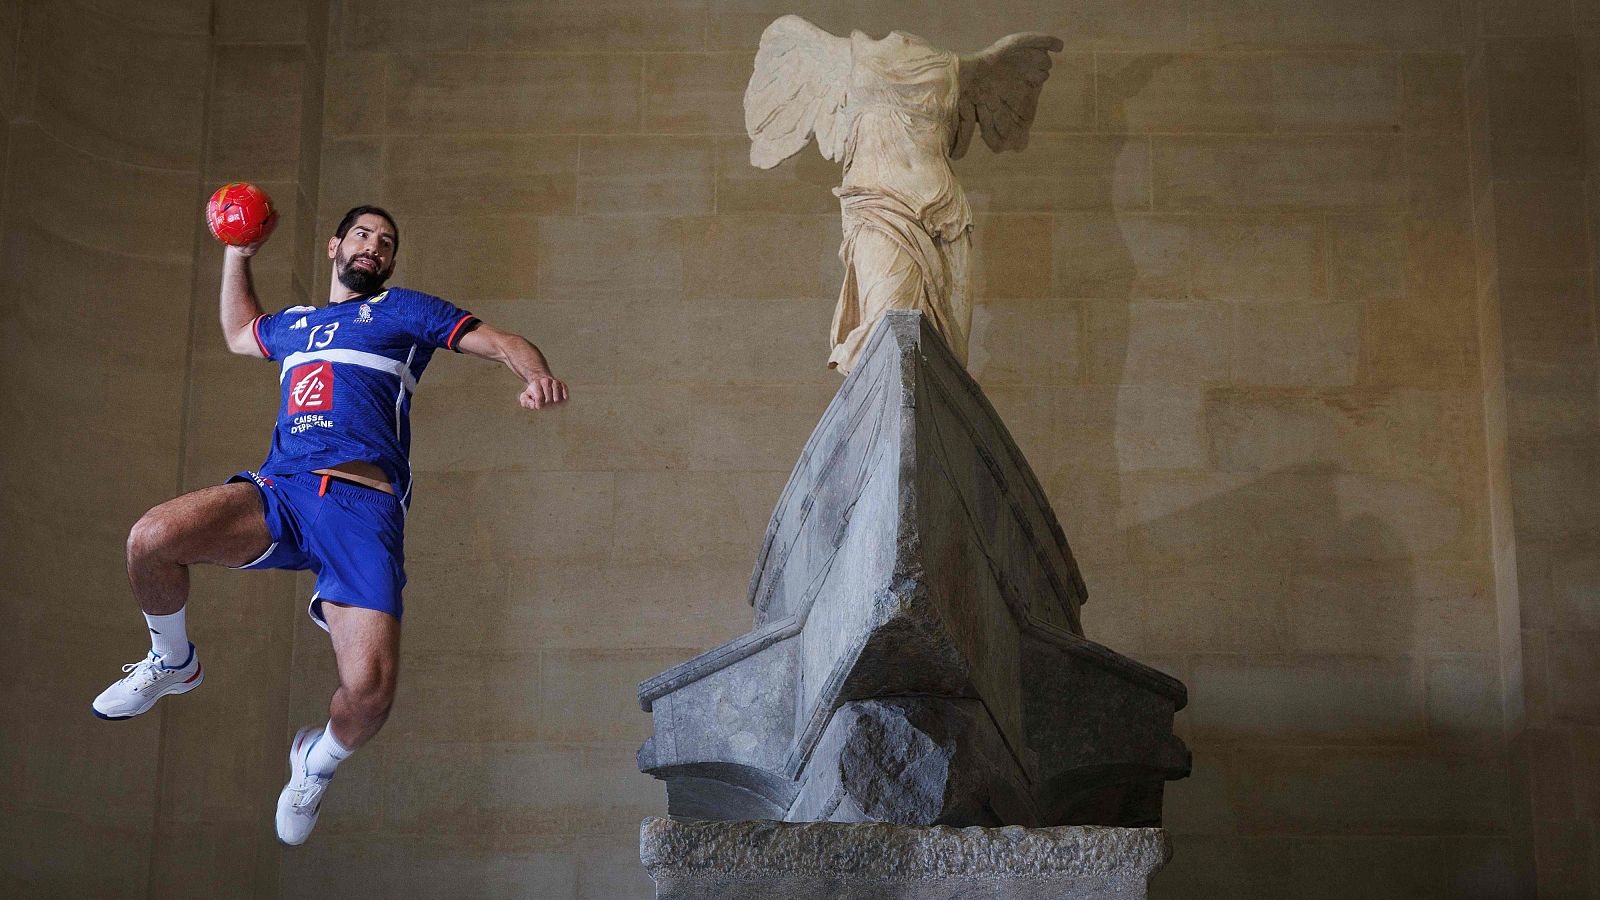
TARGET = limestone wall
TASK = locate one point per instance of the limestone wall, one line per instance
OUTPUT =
(1241, 302)
(1535, 77)
(120, 121)
(225, 756)
(103, 106)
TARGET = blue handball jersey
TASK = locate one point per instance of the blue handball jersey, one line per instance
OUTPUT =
(346, 375)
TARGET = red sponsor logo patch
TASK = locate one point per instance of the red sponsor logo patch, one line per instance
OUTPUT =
(311, 387)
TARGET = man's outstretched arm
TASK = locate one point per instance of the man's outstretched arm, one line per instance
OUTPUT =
(543, 389)
(239, 304)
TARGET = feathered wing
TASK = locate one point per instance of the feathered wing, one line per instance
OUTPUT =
(796, 90)
(1000, 91)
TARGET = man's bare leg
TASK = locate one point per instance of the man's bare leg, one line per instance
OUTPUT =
(224, 524)
(366, 646)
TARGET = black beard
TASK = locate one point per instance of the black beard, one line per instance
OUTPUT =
(358, 280)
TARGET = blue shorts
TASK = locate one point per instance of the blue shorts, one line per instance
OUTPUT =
(351, 536)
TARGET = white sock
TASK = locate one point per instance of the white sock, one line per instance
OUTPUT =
(169, 637)
(326, 753)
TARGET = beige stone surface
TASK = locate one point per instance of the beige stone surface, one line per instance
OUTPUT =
(61, 178)
(1464, 699)
(1033, 343)
(695, 93)
(1115, 255)
(799, 256)
(1423, 25)
(126, 94)
(1290, 344)
(1309, 700)
(472, 175)
(12, 18)
(522, 93)
(1185, 92)
(1434, 92)
(1246, 302)
(1209, 865)
(352, 110)
(1159, 342)
(1273, 172)
(800, 184)
(744, 428)
(1268, 258)
(416, 25)
(254, 124)
(608, 25)
(1535, 107)
(1072, 171)
(1011, 256)
(471, 256)
(647, 259)
(243, 20)
(1371, 791)
(654, 175)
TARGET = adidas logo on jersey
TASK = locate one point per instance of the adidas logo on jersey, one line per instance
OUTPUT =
(299, 324)
(365, 314)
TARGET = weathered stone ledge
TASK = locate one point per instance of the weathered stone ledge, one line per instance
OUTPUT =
(876, 850)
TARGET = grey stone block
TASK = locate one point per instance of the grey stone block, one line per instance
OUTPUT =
(917, 655)
(772, 860)
(914, 760)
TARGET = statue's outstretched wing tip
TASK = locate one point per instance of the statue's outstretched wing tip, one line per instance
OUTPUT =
(796, 90)
(789, 20)
(763, 156)
(1000, 88)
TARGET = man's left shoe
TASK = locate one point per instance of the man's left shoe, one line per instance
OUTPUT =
(301, 799)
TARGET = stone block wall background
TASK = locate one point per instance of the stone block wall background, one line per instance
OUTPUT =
(1290, 305)
(1534, 75)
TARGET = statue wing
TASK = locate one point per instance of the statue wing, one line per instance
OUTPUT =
(796, 90)
(1000, 91)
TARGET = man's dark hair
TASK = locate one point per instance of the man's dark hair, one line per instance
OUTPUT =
(354, 214)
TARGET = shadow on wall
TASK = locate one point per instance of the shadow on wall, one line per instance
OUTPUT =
(1342, 746)
(1107, 316)
(1334, 755)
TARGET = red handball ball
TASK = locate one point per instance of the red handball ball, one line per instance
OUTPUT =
(240, 213)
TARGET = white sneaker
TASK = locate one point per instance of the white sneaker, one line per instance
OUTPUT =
(146, 682)
(301, 799)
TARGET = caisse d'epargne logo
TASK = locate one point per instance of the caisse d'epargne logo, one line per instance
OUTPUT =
(311, 387)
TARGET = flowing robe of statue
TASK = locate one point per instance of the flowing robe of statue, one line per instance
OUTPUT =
(894, 111)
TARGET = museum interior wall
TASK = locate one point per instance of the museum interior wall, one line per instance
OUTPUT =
(1534, 74)
(103, 169)
(1291, 307)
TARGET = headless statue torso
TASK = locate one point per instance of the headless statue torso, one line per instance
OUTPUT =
(894, 111)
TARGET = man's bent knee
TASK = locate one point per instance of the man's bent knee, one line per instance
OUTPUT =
(151, 537)
(370, 689)
(372, 701)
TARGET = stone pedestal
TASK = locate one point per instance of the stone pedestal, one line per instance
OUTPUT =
(916, 656)
(766, 860)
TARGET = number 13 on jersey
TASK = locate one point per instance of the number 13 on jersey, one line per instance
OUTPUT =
(326, 332)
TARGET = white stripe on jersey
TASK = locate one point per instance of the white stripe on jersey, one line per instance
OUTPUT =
(354, 358)
(400, 395)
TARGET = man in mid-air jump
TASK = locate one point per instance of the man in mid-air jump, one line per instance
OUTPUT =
(331, 496)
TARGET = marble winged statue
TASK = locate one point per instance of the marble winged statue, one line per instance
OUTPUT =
(895, 111)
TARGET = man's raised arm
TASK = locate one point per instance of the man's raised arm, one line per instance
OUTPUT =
(543, 389)
(239, 304)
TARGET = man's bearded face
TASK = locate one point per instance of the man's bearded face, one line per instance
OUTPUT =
(365, 256)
